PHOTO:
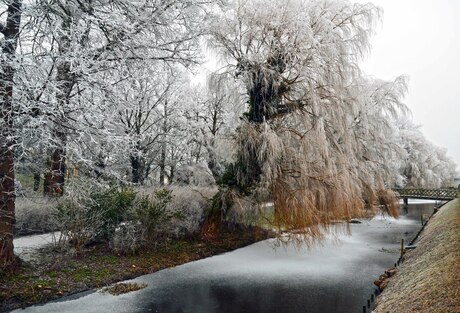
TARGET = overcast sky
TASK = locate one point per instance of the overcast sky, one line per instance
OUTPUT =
(421, 38)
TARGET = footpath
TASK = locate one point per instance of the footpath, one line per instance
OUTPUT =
(428, 281)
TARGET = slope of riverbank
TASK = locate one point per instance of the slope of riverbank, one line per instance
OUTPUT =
(428, 280)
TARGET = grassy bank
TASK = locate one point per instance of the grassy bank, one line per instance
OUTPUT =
(56, 275)
(428, 280)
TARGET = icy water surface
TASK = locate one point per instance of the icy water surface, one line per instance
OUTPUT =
(335, 277)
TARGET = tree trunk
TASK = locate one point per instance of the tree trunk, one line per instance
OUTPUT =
(163, 146)
(7, 204)
(36, 181)
(163, 164)
(53, 184)
(171, 174)
(55, 177)
(7, 137)
(136, 169)
(100, 167)
(65, 80)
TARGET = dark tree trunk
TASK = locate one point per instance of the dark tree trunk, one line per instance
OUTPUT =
(7, 135)
(162, 164)
(264, 104)
(136, 169)
(172, 172)
(100, 167)
(53, 184)
(36, 181)
(65, 79)
(55, 177)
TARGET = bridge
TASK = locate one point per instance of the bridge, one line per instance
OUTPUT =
(429, 194)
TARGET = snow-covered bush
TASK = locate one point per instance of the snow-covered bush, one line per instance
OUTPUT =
(90, 212)
(160, 214)
(192, 202)
(33, 215)
(127, 238)
(186, 207)
(194, 175)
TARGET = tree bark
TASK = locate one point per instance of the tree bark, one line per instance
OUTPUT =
(136, 169)
(162, 164)
(65, 79)
(56, 175)
(36, 181)
(7, 137)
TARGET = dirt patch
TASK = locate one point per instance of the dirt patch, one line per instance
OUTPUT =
(428, 280)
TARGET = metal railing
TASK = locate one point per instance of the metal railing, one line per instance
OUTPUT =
(431, 194)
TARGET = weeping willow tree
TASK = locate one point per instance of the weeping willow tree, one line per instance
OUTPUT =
(317, 132)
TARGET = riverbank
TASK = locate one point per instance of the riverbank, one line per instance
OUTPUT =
(428, 280)
(52, 275)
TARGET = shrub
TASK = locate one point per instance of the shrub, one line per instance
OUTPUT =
(89, 212)
(192, 202)
(78, 223)
(197, 175)
(127, 238)
(113, 204)
(153, 214)
(129, 219)
(146, 222)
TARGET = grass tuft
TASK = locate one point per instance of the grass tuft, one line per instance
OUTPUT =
(122, 288)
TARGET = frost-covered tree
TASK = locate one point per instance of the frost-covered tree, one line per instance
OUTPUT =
(73, 42)
(375, 139)
(213, 112)
(137, 104)
(301, 137)
(425, 165)
(66, 49)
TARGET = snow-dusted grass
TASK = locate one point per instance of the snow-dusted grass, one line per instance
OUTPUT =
(428, 279)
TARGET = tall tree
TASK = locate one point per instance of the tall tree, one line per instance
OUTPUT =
(81, 39)
(9, 43)
(299, 62)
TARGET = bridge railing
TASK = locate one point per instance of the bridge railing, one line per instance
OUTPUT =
(422, 193)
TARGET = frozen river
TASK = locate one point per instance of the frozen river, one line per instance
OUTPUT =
(334, 277)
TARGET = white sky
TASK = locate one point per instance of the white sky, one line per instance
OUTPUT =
(421, 38)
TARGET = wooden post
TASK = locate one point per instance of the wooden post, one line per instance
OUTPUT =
(402, 247)
(406, 202)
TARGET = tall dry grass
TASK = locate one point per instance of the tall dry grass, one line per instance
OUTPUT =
(34, 215)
